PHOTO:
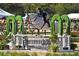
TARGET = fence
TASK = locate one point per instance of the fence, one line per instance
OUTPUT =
(37, 42)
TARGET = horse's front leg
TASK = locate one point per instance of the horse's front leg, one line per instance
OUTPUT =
(35, 19)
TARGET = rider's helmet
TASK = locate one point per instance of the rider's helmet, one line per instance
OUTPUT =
(40, 11)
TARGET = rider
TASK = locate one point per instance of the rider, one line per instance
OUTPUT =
(40, 12)
(44, 15)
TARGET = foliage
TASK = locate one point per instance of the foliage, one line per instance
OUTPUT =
(59, 8)
(3, 44)
(53, 38)
(53, 48)
(74, 39)
(3, 41)
(73, 46)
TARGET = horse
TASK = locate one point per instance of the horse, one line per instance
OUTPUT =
(37, 21)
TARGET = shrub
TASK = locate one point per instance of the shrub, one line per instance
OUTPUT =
(2, 44)
(73, 46)
(53, 38)
(3, 41)
(53, 48)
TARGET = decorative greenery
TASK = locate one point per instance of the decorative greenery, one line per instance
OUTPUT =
(53, 38)
(73, 46)
(3, 41)
(53, 48)
(3, 44)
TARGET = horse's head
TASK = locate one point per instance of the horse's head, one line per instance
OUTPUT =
(25, 17)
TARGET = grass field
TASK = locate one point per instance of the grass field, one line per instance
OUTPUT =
(39, 53)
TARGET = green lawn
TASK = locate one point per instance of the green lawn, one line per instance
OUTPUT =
(39, 53)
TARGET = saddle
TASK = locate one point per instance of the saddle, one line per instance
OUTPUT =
(39, 15)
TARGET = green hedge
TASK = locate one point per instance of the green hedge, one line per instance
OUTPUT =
(53, 47)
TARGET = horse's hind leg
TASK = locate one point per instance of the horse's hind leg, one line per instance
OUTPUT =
(48, 23)
(43, 25)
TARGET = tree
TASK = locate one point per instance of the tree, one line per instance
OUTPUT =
(13, 8)
(59, 8)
